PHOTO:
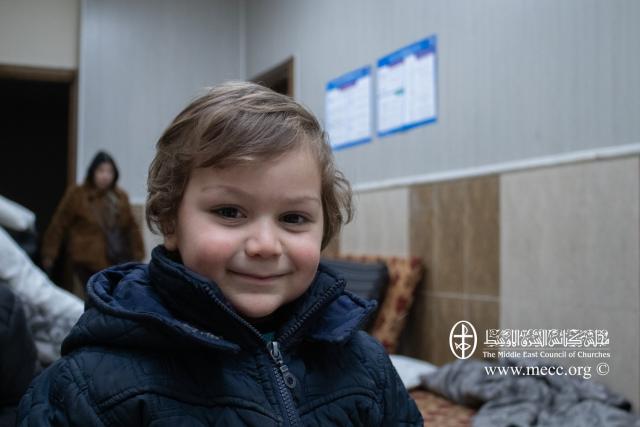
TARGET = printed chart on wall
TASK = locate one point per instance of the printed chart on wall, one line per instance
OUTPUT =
(406, 88)
(348, 109)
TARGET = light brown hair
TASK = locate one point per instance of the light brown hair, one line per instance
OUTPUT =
(233, 123)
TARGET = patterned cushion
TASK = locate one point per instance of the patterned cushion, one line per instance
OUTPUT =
(404, 275)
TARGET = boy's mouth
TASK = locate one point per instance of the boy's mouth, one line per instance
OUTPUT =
(257, 277)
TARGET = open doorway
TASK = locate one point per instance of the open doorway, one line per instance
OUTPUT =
(37, 118)
(278, 78)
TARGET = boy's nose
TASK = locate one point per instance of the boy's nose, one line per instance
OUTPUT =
(263, 241)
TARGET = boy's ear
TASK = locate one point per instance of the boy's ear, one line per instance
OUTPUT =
(171, 242)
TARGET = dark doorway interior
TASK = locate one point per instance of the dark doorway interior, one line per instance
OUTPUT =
(278, 78)
(34, 118)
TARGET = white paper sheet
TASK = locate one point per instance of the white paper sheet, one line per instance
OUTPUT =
(348, 108)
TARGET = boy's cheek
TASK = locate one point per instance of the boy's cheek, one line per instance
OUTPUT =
(212, 253)
(217, 243)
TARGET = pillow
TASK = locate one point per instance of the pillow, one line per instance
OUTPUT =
(404, 276)
(367, 280)
(410, 370)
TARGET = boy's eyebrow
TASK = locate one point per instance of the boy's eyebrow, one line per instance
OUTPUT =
(240, 192)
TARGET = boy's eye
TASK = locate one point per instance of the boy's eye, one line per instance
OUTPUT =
(228, 212)
(296, 219)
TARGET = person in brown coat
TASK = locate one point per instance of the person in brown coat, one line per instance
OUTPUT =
(96, 220)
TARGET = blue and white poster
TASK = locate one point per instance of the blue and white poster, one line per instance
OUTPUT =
(348, 109)
(406, 88)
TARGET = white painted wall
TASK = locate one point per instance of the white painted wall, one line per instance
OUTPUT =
(517, 79)
(140, 64)
(39, 33)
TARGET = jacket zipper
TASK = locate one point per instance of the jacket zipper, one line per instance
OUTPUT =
(285, 380)
(286, 337)
(284, 377)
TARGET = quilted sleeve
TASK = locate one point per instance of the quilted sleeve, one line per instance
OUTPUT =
(399, 407)
(56, 399)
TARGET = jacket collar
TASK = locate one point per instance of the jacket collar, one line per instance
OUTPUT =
(324, 313)
(166, 306)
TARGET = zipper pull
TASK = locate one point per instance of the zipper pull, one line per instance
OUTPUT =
(274, 351)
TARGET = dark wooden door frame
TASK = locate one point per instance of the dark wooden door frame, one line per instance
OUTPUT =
(54, 75)
(276, 73)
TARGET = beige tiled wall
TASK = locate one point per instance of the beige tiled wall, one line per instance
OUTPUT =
(551, 247)
(454, 230)
(570, 254)
(380, 225)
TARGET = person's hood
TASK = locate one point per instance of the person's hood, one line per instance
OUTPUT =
(165, 306)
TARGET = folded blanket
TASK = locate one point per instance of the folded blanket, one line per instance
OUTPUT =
(519, 401)
(14, 216)
(50, 311)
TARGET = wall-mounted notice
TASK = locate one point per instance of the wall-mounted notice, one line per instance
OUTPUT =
(348, 108)
(406, 87)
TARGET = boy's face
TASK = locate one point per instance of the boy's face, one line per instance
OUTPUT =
(254, 229)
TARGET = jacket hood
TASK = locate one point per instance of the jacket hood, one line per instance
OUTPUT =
(165, 306)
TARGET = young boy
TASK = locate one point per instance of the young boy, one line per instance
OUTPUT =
(234, 321)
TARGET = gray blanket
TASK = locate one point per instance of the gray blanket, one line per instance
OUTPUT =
(518, 401)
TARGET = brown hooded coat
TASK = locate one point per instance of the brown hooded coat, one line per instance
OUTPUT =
(76, 221)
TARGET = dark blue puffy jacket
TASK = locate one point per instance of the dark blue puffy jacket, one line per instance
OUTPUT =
(159, 346)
